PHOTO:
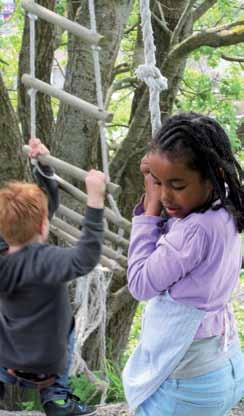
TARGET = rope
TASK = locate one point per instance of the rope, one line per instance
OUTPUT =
(32, 91)
(100, 102)
(90, 296)
(148, 72)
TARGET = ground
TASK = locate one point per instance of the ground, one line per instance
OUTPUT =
(110, 410)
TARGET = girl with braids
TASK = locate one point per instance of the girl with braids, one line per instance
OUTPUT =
(185, 259)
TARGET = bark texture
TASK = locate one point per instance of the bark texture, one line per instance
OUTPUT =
(11, 164)
(45, 40)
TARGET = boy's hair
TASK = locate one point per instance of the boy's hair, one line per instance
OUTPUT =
(23, 207)
(203, 143)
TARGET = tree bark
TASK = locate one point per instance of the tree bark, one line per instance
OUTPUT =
(77, 135)
(125, 166)
(45, 40)
(11, 163)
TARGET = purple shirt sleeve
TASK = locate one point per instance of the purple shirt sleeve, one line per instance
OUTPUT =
(156, 261)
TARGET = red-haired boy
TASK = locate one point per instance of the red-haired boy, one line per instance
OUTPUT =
(35, 314)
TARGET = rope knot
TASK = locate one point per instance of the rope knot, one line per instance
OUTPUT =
(152, 76)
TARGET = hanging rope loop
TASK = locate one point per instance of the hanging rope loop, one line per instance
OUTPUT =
(149, 73)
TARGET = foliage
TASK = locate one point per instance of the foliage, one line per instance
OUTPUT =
(87, 391)
(10, 43)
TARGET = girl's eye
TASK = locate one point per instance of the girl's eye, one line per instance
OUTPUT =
(178, 188)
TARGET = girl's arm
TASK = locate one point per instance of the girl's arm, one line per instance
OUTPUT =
(156, 261)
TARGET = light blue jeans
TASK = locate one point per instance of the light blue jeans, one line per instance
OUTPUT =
(57, 391)
(213, 394)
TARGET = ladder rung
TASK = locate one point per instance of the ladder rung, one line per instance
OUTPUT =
(105, 261)
(78, 219)
(89, 109)
(107, 251)
(81, 196)
(71, 170)
(87, 35)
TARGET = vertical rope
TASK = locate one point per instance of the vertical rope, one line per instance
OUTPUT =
(32, 91)
(148, 72)
(99, 93)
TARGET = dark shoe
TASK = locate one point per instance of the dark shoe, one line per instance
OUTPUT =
(71, 408)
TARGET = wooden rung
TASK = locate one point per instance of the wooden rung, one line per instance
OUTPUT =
(90, 109)
(82, 197)
(107, 251)
(110, 264)
(79, 219)
(82, 32)
(69, 169)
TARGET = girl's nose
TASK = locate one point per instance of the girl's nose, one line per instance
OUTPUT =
(166, 195)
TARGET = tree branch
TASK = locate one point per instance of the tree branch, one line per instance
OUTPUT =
(161, 21)
(131, 28)
(3, 62)
(182, 21)
(232, 58)
(120, 69)
(161, 24)
(125, 83)
(225, 35)
(203, 8)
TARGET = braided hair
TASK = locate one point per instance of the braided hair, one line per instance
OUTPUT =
(205, 146)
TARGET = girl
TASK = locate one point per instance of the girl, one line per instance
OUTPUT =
(186, 262)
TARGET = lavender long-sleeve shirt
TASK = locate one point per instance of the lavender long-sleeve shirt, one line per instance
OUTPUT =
(197, 259)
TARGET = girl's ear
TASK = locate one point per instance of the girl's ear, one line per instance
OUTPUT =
(222, 172)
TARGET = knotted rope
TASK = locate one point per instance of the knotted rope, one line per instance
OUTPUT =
(149, 73)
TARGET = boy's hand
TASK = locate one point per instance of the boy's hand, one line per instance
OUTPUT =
(152, 203)
(37, 148)
(95, 186)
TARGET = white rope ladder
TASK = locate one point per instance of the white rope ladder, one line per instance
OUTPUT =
(91, 290)
(90, 294)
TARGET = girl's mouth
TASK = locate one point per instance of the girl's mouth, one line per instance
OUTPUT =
(172, 210)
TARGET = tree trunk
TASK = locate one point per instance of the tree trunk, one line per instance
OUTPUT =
(45, 39)
(77, 134)
(11, 164)
(125, 166)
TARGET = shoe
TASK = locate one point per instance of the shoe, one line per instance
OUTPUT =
(72, 407)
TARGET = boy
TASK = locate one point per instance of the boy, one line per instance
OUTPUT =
(35, 315)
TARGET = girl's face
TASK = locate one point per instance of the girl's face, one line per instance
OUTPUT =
(182, 190)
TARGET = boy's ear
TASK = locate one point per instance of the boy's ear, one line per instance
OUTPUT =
(44, 227)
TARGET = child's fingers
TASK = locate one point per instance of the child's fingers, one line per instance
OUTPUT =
(37, 148)
(144, 166)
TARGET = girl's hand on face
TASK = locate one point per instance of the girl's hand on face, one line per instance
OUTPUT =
(152, 203)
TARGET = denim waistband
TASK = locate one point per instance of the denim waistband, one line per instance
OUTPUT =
(204, 356)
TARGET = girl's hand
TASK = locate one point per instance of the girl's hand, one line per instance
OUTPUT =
(95, 186)
(152, 203)
(37, 148)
